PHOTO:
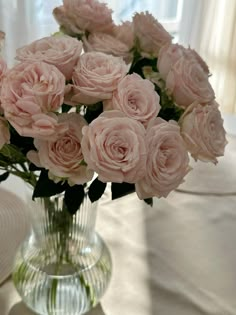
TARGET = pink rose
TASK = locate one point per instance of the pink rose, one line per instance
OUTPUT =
(114, 147)
(107, 44)
(67, 25)
(88, 15)
(188, 82)
(43, 126)
(4, 132)
(96, 76)
(192, 53)
(3, 69)
(29, 93)
(137, 98)
(167, 160)
(203, 132)
(168, 56)
(171, 53)
(61, 51)
(150, 33)
(125, 33)
(63, 157)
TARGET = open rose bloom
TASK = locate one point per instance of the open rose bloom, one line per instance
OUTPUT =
(109, 103)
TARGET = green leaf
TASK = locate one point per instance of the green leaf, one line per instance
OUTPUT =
(33, 167)
(173, 113)
(23, 144)
(11, 154)
(65, 108)
(3, 162)
(121, 189)
(149, 201)
(74, 197)
(96, 190)
(142, 62)
(93, 111)
(4, 176)
(45, 187)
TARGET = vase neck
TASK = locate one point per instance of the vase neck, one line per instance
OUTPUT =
(51, 217)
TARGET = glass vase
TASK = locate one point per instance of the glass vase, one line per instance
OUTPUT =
(63, 267)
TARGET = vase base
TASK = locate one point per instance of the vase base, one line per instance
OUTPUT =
(69, 286)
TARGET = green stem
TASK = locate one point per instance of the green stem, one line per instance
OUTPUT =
(26, 175)
(25, 169)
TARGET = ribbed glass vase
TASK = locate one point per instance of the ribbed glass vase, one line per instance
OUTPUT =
(63, 267)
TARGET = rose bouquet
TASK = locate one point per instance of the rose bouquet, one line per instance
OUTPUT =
(99, 102)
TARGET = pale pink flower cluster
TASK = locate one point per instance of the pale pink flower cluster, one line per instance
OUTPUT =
(119, 149)
(92, 21)
(61, 51)
(114, 147)
(167, 160)
(63, 156)
(78, 16)
(136, 98)
(30, 92)
(4, 132)
(125, 33)
(186, 78)
(95, 77)
(185, 74)
(125, 141)
(150, 33)
(203, 132)
(118, 42)
(107, 44)
(4, 129)
(3, 69)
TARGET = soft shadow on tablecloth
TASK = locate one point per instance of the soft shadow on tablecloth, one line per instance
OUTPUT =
(191, 255)
(20, 308)
(190, 241)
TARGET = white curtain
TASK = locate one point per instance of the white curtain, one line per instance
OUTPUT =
(210, 27)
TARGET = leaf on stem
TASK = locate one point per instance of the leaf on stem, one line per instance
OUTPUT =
(74, 196)
(45, 187)
(11, 154)
(4, 176)
(65, 108)
(92, 112)
(96, 190)
(33, 167)
(149, 201)
(23, 144)
(121, 189)
(137, 67)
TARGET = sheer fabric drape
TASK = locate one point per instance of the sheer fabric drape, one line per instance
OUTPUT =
(210, 27)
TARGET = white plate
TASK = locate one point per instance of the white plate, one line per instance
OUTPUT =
(14, 226)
